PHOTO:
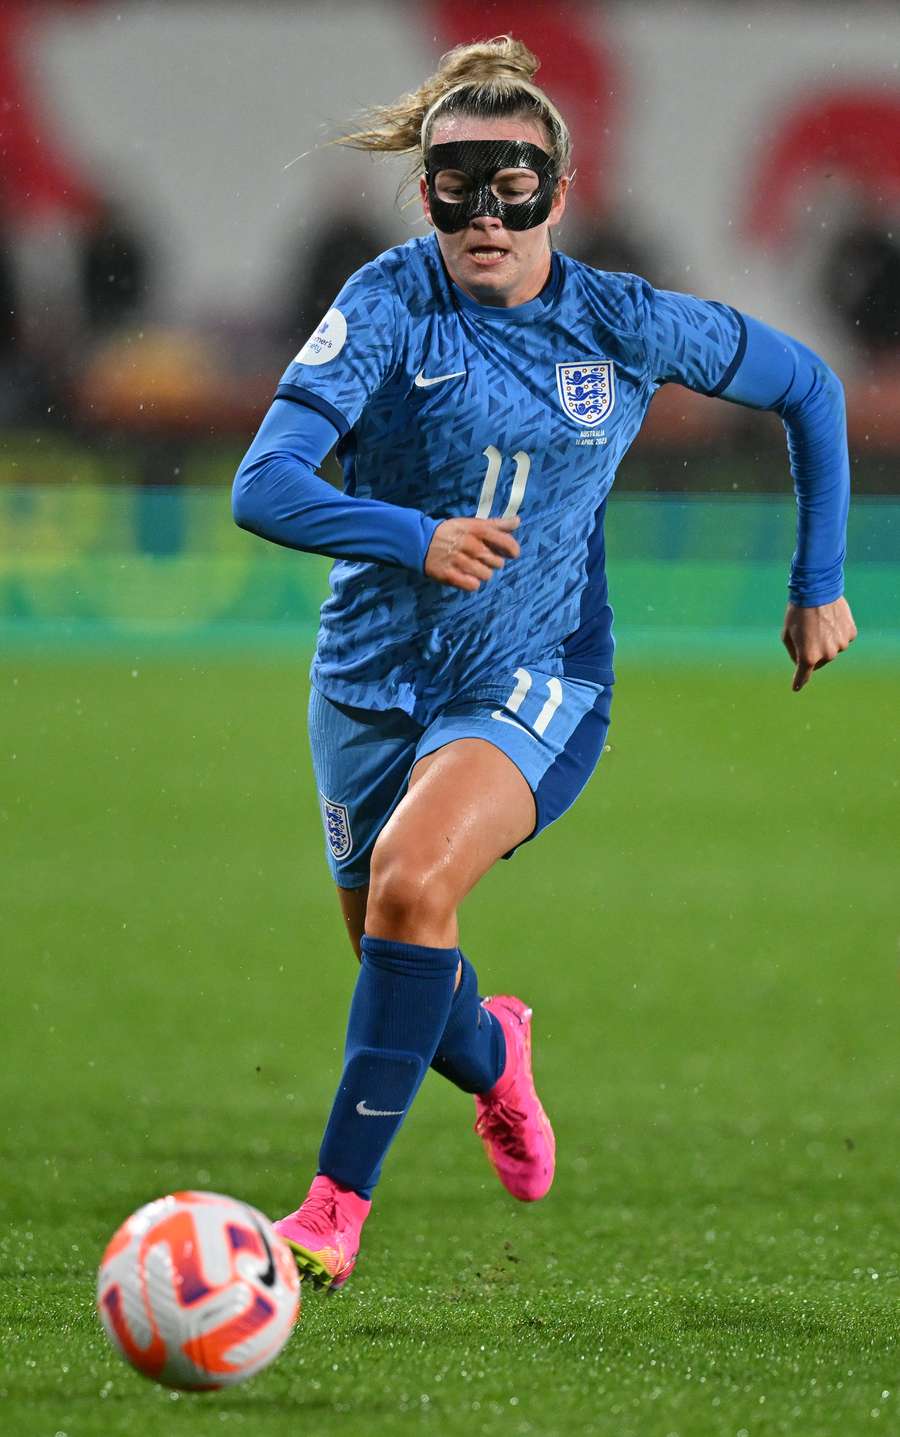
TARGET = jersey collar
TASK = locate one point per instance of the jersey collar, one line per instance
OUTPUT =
(517, 313)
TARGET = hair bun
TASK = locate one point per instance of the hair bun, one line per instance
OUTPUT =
(486, 60)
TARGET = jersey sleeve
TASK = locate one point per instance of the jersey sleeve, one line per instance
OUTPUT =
(779, 373)
(716, 350)
(351, 353)
(690, 341)
(278, 495)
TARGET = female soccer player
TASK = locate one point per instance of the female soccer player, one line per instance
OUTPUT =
(482, 389)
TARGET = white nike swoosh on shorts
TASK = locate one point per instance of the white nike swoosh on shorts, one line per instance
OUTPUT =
(365, 1112)
(516, 723)
(422, 383)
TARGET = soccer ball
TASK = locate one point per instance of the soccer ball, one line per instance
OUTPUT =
(197, 1291)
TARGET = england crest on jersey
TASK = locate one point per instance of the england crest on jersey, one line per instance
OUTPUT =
(337, 827)
(587, 391)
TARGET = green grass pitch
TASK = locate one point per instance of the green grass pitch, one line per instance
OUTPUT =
(709, 943)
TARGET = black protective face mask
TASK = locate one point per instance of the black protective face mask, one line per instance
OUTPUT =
(479, 161)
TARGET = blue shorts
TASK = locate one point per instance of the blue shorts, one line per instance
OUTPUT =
(553, 728)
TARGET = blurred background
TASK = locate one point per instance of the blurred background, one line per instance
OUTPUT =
(173, 224)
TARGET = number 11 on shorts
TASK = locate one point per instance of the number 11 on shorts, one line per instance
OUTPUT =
(517, 698)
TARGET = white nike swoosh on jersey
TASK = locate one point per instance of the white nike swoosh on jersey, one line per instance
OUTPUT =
(508, 718)
(422, 383)
(365, 1112)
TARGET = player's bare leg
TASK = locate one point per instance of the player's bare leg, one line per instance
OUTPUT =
(466, 806)
(469, 783)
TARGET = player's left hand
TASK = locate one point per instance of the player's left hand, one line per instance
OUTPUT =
(813, 637)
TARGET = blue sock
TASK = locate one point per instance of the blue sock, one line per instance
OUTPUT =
(398, 1013)
(472, 1049)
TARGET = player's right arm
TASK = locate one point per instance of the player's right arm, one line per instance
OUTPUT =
(278, 494)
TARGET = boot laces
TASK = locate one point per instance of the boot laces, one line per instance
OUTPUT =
(504, 1125)
(319, 1213)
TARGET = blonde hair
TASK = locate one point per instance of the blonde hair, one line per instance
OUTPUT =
(487, 79)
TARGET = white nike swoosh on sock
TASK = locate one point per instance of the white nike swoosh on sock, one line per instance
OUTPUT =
(365, 1112)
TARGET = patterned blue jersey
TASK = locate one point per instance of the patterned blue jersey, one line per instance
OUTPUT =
(457, 408)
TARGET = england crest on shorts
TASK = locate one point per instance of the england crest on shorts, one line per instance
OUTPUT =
(587, 391)
(337, 827)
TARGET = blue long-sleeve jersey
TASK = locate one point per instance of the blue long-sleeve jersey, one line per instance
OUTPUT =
(441, 406)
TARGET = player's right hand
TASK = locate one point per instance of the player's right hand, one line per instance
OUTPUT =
(465, 553)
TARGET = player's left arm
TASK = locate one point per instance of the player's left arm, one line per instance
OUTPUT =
(720, 352)
(779, 373)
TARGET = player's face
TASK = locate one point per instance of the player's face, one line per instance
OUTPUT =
(495, 265)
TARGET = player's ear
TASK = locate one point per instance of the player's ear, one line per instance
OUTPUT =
(423, 192)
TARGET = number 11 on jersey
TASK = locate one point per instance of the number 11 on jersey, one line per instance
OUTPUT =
(494, 459)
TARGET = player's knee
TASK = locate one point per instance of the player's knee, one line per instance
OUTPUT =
(406, 889)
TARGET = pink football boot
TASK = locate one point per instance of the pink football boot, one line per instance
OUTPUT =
(511, 1123)
(324, 1232)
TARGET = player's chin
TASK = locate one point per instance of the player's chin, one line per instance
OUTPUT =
(498, 276)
